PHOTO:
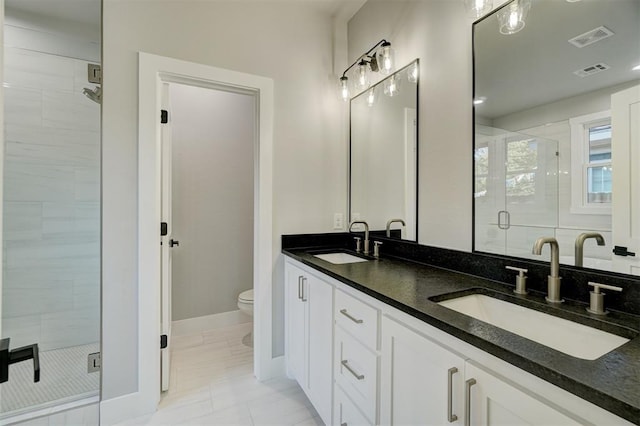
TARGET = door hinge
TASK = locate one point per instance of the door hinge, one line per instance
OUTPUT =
(164, 116)
(163, 229)
(622, 251)
(94, 362)
(163, 341)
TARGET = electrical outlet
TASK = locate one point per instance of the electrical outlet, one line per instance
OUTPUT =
(338, 221)
(94, 362)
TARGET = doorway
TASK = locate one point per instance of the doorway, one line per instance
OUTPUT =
(207, 206)
(154, 71)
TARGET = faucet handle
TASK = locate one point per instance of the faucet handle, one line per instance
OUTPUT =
(596, 299)
(358, 244)
(598, 286)
(376, 248)
(521, 280)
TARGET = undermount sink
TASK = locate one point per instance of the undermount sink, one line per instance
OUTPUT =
(340, 258)
(566, 336)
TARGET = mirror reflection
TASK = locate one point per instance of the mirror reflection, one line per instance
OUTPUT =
(383, 157)
(546, 157)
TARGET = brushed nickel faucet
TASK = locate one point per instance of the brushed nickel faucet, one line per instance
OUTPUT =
(389, 225)
(366, 234)
(579, 250)
(553, 280)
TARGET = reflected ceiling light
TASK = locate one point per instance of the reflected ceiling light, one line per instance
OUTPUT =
(392, 85)
(413, 73)
(636, 68)
(371, 97)
(479, 100)
(512, 17)
(478, 8)
(379, 58)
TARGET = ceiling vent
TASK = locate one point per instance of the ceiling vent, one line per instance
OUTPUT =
(592, 69)
(591, 37)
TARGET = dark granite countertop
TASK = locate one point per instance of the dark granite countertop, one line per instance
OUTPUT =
(611, 381)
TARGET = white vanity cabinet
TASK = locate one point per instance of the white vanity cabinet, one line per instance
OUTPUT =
(421, 383)
(309, 336)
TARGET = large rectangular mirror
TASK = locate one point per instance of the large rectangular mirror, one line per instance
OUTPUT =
(383, 153)
(544, 160)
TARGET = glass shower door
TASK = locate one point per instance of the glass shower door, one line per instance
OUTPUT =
(50, 217)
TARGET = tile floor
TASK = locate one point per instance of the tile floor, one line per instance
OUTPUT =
(212, 383)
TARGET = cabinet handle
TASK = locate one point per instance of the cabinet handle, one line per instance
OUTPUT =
(450, 416)
(346, 314)
(304, 280)
(351, 370)
(299, 287)
(467, 401)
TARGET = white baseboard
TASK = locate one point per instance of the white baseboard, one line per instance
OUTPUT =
(125, 407)
(208, 322)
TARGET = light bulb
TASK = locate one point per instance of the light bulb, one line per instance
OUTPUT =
(344, 88)
(371, 97)
(413, 73)
(362, 76)
(385, 58)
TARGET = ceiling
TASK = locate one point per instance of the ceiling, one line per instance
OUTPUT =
(86, 12)
(535, 66)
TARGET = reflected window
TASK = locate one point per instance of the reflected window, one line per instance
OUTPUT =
(591, 170)
(481, 163)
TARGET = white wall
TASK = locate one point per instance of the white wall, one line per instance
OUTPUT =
(212, 202)
(439, 33)
(288, 41)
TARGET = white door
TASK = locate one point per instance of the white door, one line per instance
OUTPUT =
(167, 243)
(625, 146)
(421, 382)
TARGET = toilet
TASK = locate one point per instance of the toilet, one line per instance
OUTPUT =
(245, 302)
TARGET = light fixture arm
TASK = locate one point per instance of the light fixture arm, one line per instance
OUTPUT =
(366, 55)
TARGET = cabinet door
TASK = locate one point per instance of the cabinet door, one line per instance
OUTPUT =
(496, 402)
(415, 376)
(295, 310)
(319, 296)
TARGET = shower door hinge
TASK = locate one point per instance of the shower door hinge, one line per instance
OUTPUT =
(164, 116)
(163, 341)
(94, 362)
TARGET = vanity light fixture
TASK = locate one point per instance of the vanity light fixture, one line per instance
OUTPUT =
(380, 58)
(512, 17)
(477, 8)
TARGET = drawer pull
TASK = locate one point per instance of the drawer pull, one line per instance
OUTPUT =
(299, 287)
(351, 370)
(467, 401)
(346, 314)
(450, 416)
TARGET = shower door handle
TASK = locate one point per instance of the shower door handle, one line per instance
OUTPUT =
(24, 353)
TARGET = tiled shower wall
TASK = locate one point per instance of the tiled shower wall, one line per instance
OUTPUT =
(51, 274)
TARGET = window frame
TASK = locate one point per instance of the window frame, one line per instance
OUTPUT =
(580, 163)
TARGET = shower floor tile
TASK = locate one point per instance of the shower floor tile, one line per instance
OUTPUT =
(63, 377)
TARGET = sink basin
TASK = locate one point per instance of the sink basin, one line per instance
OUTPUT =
(340, 258)
(566, 336)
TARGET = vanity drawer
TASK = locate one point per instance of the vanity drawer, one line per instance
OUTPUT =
(345, 411)
(356, 371)
(357, 318)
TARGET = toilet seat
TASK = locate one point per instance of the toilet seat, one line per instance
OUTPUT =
(246, 297)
